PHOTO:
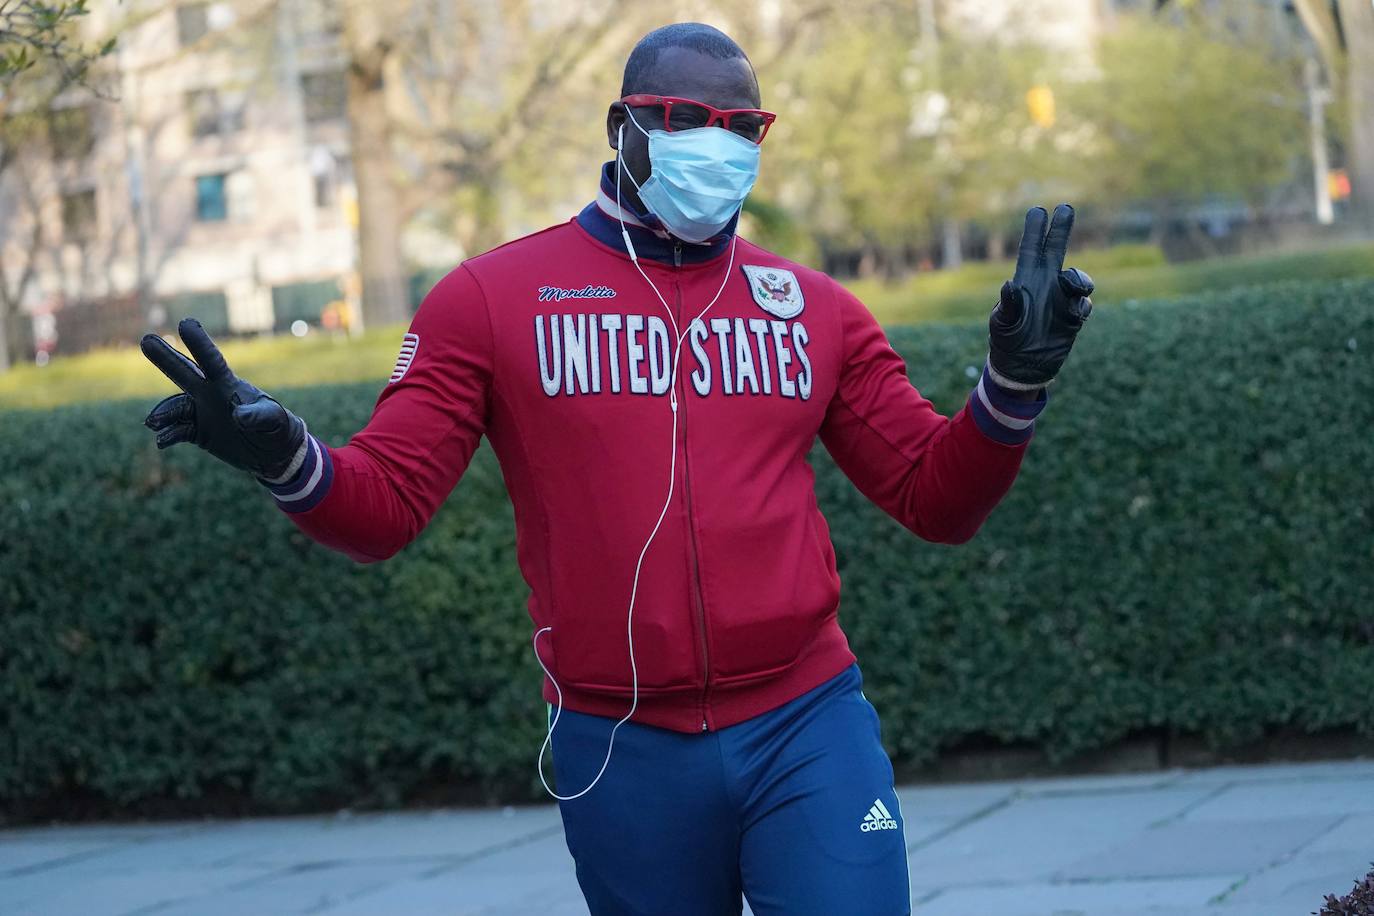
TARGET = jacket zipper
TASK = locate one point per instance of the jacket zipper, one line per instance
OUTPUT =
(691, 518)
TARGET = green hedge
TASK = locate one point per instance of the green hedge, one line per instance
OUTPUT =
(1189, 548)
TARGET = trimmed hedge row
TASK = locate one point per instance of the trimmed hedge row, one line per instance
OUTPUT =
(1190, 547)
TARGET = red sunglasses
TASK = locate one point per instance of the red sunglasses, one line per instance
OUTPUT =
(687, 114)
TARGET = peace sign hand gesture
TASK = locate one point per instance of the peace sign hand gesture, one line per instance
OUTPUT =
(1042, 307)
(228, 417)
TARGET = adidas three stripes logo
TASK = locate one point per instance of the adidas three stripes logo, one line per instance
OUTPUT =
(878, 818)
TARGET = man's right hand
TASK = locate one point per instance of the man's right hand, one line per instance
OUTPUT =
(228, 417)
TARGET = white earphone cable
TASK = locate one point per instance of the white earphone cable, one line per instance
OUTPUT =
(679, 336)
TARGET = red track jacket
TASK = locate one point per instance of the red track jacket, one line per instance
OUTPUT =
(556, 349)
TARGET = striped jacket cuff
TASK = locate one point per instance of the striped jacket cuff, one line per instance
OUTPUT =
(309, 485)
(1002, 416)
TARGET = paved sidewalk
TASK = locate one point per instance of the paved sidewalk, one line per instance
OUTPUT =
(1260, 841)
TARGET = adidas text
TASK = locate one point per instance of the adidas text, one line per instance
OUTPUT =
(878, 818)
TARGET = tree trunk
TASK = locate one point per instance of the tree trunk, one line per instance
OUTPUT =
(868, 261)
(1357, 22)
(997, 245)
(951, 249)
(488, 229)
(5, 322)
(1159, 224)
(1320, 22)
(384, 299)
(12, 296)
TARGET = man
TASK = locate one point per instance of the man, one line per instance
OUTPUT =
(651, 384)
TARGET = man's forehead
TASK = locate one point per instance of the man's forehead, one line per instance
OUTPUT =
(724, 83)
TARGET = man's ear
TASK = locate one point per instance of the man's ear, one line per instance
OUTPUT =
(615, 122)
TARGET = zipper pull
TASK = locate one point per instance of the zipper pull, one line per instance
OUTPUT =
(677, 262)
(703, 725)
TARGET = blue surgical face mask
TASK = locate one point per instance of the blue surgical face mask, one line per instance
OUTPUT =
(699, 178)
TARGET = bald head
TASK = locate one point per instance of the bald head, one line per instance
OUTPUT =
(652, 67)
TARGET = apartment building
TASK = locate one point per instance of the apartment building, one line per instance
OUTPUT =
(208, 176)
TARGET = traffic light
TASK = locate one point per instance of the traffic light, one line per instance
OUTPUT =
(1040, 102)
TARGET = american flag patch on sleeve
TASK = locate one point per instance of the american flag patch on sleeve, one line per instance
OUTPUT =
(410, 344)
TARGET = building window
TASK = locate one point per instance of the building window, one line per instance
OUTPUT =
(242, 194)
(202, 106)
(71, 133)
(193, 22)
(324, 191)
(210, 308)
(213, 112)
(326, 95)
(324, 175)
(78, 215)
(320, 17)
(305, 302)
(211, 203)
(231, 108)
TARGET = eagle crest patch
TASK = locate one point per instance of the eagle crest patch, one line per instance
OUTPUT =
(775, 290)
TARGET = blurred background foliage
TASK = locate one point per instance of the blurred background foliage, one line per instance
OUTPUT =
(912, 135)
(1135, 272)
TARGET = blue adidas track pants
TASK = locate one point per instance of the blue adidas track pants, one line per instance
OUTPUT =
(794, 809)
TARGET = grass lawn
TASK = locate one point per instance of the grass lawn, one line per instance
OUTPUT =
(271, 363)
(1123, 273)
(278, 363)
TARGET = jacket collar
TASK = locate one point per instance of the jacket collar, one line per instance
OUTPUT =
(601, 219)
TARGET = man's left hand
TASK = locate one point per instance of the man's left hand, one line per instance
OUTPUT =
(1042, 307)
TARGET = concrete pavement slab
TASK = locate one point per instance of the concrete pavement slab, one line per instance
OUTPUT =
(1112, 782)
(307, 889)
(285, 842)
(1280, 772)
(952, 802)
(444, 833)
(1004, 848)
(1355, 832)
(113, 893)
(1306, 878)
(928, 813)
(1184, 848)
(1278, 908)
(1030, 838)
(536, 877)
(1063, 898)
(202, 845)
(18, 856)
(1259, 801)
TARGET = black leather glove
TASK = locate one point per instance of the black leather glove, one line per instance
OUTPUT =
(1042, 307)
(228, 417)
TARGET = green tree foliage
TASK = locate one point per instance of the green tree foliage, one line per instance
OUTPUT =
(992, 157)
(33, 32)
(1191, 110)
(42, 55)
(885, 133)
(843, 153)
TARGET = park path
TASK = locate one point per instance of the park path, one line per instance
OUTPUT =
(1258, 840)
